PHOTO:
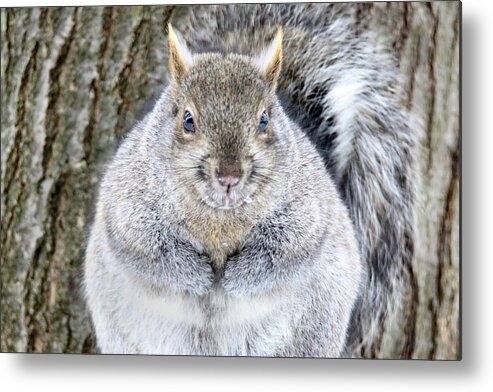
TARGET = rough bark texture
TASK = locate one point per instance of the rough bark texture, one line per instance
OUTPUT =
(74, 80)
(425, 38)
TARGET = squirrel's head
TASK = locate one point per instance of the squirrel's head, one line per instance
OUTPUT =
(227, 132)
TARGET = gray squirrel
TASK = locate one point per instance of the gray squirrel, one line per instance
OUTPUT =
(264, 206)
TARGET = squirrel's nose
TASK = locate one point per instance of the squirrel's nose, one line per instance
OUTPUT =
(229, 172)
(228, 181)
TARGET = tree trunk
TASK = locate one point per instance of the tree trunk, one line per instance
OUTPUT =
(73, 81)
(425, 39)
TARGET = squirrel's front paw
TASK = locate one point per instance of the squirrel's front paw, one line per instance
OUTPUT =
(196, 276)
(245, 275)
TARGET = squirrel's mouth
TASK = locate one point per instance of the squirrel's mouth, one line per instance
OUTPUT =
(232, 199)
(229, 198)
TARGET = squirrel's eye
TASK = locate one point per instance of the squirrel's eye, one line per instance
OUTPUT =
(263, 124)
(188, 124)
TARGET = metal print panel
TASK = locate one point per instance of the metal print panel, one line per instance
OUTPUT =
(269, 180)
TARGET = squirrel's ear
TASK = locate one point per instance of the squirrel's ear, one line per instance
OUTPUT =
(270, 60)
(180, 57)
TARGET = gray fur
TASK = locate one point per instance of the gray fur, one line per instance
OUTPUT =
(345, 92)
(168, 272)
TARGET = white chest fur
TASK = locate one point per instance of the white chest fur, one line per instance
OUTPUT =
(146, 322)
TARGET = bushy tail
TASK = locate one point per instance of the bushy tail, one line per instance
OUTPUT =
(344, 91)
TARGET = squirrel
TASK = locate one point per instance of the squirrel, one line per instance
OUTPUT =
(264, 206)
(218, 229)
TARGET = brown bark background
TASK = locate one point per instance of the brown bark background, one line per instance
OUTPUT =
(73, 81)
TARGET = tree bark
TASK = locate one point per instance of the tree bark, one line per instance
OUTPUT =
(425, 39)
(73, 82)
